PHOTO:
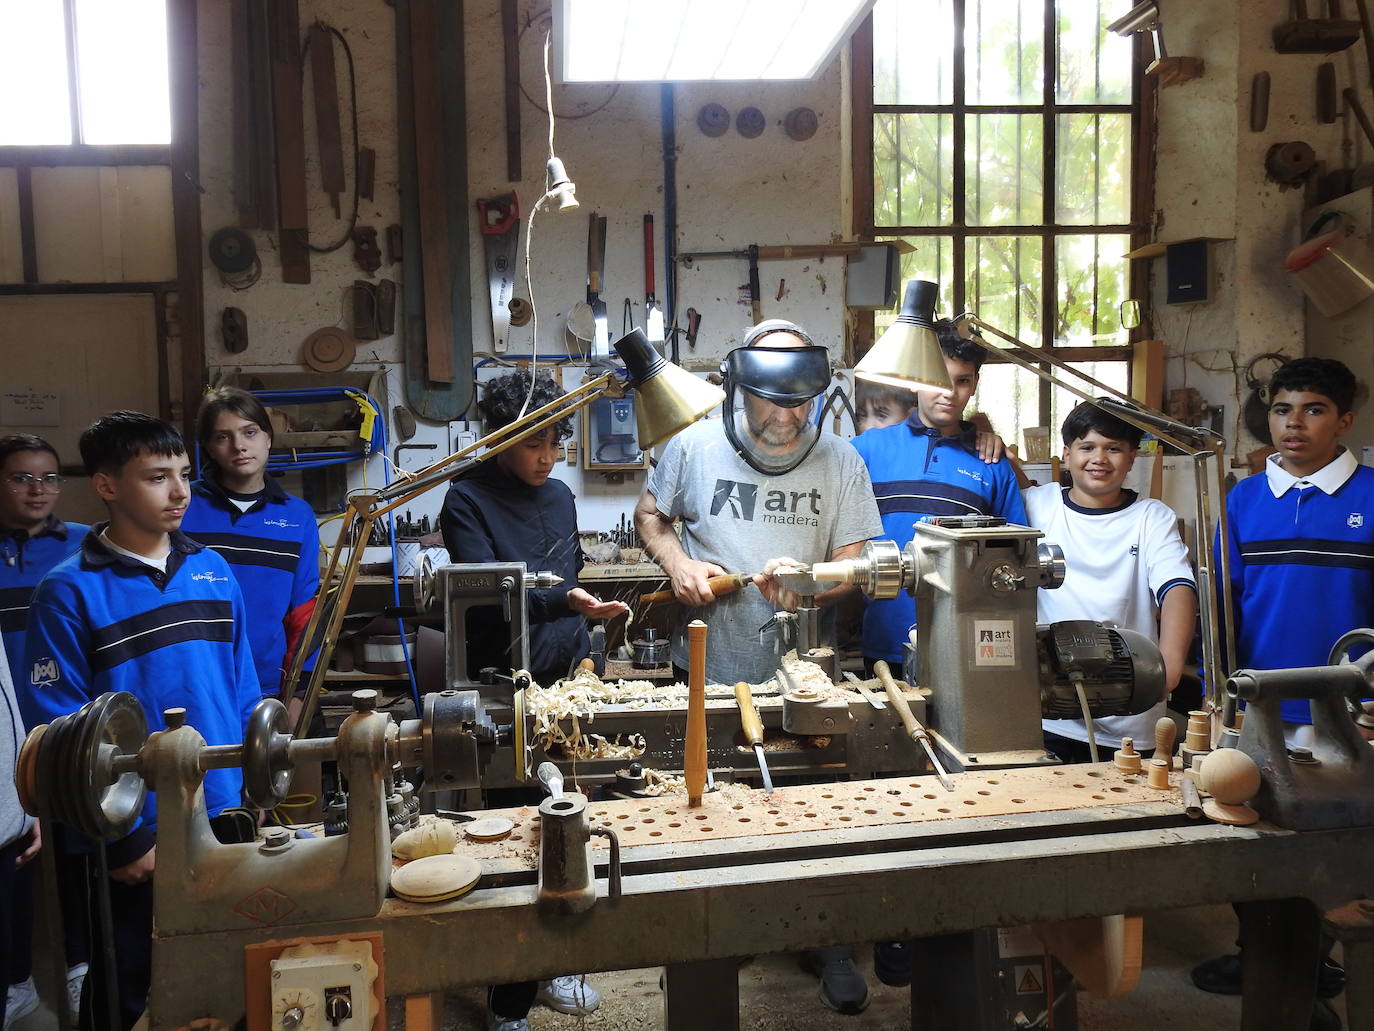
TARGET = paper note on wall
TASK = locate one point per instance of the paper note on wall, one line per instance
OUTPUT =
(29, 406)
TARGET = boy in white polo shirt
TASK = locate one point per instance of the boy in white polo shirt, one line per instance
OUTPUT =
(1126, 565)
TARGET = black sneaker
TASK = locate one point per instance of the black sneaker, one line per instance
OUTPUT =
(1221, 975)
(843, 988)
(892, 963)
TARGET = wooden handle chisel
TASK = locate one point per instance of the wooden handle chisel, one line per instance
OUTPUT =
(909, 720)
(727, 583)
(753, 729)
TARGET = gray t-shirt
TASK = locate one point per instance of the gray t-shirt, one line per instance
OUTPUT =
(739, 518)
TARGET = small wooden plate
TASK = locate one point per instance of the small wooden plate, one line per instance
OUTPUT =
(436, 878)
(489, 828)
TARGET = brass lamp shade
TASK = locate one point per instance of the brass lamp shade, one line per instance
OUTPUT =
(908, 355)
(670, 398)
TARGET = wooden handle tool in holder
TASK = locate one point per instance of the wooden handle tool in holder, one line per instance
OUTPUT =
(753, 729)
(909, 721)
(727, 583)
(694, 759)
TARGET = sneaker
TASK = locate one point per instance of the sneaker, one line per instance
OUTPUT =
(892, 963)
(843, 988)
(496, 1022)
(569, 994)
(20, 1000)
(76, 977)
(1221, 975)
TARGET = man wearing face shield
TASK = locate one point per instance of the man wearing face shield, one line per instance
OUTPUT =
(761, 481)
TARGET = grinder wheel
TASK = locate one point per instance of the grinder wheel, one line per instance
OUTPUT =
(267, 765)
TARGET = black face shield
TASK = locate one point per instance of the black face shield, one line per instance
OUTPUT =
(788, 377)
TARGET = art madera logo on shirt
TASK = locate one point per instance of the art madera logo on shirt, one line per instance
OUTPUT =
(741, 501)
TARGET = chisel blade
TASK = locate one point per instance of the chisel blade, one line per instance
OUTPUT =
(763, 770)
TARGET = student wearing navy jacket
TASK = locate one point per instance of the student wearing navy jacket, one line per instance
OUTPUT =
(141, 608)
(32, 541)
(269, 538)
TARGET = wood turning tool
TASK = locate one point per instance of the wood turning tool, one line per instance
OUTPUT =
(753, 729)
(694, 761)
(726, 583)
(909, 720)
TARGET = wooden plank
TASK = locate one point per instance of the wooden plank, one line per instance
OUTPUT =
(262, 120)
(510, 41)
(431, 176)
(28, 246)
(327, 112)
(1147, 373)
(241, 137)
(425, 1012)
(284, 25)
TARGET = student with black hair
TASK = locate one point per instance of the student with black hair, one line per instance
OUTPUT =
(1126, 564)
(269, 538)
(1301, 551)
(32, 541)
(141, 608)
(511, 509)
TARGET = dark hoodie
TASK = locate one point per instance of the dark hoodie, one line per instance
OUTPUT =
(490, 516)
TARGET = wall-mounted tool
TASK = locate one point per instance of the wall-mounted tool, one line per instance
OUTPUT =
(653, 314)
(326, 95)
(365, 250)
(693, 327)
(500, 221)
(1304, 35)
(233, 327)
(596, 269)
(1290, 163)
(753, 729)
(1259, 101)
(1326, 94)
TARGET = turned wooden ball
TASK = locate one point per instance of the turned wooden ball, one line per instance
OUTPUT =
(1230, 776)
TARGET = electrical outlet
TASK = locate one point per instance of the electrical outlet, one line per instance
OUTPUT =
(570, 452)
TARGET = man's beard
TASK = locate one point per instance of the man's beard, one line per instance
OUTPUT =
(775, 432)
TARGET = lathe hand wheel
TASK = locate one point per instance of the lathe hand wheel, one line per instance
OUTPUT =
(1340, 651)
(267, 765)
(76, 763)
(426, 583)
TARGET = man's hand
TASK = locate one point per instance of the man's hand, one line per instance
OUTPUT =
(32, 849)
(140, 870)
(772, 588)
(586, 604)
(689, 578)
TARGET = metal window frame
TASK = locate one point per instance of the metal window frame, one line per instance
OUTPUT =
(1048, 230)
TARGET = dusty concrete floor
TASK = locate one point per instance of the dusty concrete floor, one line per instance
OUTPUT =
(776, 995)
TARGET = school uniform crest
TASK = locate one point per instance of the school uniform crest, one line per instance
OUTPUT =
(1355, 520)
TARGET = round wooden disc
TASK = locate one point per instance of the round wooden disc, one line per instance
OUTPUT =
(436, 878)
(329, 349)
(1237, 815)
(489, 828)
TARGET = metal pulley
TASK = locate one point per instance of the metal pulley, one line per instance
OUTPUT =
(74, 765)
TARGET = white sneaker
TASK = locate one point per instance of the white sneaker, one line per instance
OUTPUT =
(20, 1000)
(76, 977)
(569, 994)
(496, 1022)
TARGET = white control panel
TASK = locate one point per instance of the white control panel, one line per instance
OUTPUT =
(324, 987)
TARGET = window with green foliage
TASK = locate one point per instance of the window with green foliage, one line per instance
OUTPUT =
(1002, 135)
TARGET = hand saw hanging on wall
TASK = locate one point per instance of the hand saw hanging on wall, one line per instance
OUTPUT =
(500, 221)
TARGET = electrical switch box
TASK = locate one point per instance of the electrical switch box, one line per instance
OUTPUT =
(327, 987)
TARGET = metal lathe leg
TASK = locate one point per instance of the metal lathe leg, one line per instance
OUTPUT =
(952, 985)
(1280, 952)
(702, 996)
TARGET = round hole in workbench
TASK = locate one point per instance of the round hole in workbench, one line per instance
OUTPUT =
(655, 834)
(647, 819)
(942, 810)
(827, 796)
(701, 816)
(994, 782)
(809, 816)
(1100, 798)
(644, 810)
(837, 807)
(870, 812)
(1118, 788)
(1080, 785)
(674, 825)
(622, 816)
(1019, 801)
(870, 787)
(985, 793)
(780, 823)
(703, 829)
(744, 819)
(845, 819)
(772, 812)
(970, 801)
(929, 796)
(670, 812)
(906, 803)
(891, 791)
(1094, 773)
(1057, 773)
(737, 807)
(515, 837)
(913, 785)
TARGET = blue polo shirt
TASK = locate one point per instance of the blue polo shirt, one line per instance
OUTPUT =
(102, 621)
(1302, 565)
(917, 472)
(24, 561)
(273, 549)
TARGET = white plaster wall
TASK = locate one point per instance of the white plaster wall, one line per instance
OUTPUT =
(731, 192)
(1211, 182)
